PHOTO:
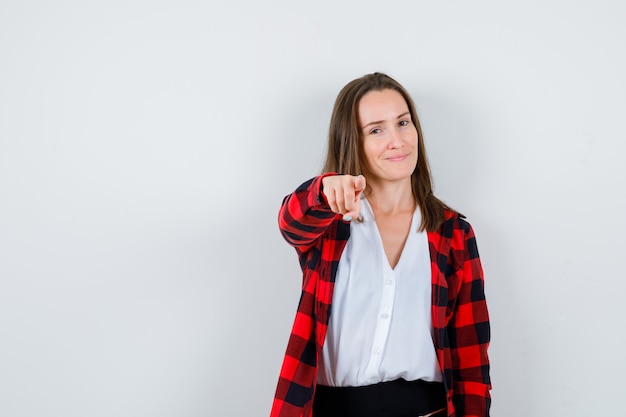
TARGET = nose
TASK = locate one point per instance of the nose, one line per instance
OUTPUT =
(395, 139)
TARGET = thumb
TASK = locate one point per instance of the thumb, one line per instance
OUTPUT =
(359, 184)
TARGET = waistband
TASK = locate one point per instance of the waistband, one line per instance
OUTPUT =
(399, 398)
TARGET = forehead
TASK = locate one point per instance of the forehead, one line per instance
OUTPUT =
(381, 106)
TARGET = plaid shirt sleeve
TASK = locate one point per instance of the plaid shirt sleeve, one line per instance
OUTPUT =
(305, 215)
(469, 330)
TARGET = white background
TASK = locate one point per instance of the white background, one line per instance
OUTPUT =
(145, 147)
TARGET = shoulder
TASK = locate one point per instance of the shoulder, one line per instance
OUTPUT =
(457, 230)
(454, 221)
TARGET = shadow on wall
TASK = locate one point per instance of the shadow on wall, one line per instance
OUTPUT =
(457, 151)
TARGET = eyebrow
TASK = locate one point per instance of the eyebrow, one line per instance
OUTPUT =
(382, 121)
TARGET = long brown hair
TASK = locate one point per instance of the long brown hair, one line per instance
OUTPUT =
(344, 154)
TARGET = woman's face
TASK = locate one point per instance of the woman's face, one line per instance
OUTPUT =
(389, 136)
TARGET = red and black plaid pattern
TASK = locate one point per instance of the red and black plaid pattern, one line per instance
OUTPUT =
(459, 310)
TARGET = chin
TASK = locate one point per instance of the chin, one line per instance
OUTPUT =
(390, 175)
(394, 178)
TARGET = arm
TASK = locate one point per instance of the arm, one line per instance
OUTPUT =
(469, 334)
(304, 215)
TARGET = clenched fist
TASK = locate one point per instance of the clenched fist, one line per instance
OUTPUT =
(343, 194)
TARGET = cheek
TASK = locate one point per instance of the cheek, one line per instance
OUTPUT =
(415, 145)
(368, 150)
(368, 159)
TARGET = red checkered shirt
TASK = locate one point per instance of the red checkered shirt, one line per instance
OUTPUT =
(459, 310)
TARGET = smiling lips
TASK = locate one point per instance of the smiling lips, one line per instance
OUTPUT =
(397, 158)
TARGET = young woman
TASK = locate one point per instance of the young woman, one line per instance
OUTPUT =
(392, 320)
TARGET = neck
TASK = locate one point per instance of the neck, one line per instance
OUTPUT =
(391, 198)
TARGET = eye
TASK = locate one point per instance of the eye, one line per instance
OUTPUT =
(375, 131)
(404, 123)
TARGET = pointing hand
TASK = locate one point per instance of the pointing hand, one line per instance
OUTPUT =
(343, 194)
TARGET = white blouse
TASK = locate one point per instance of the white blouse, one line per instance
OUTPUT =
(380, 326)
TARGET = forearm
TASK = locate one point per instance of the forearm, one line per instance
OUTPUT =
(305, 214)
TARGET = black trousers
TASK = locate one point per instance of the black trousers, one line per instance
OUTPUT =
(397, 398)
